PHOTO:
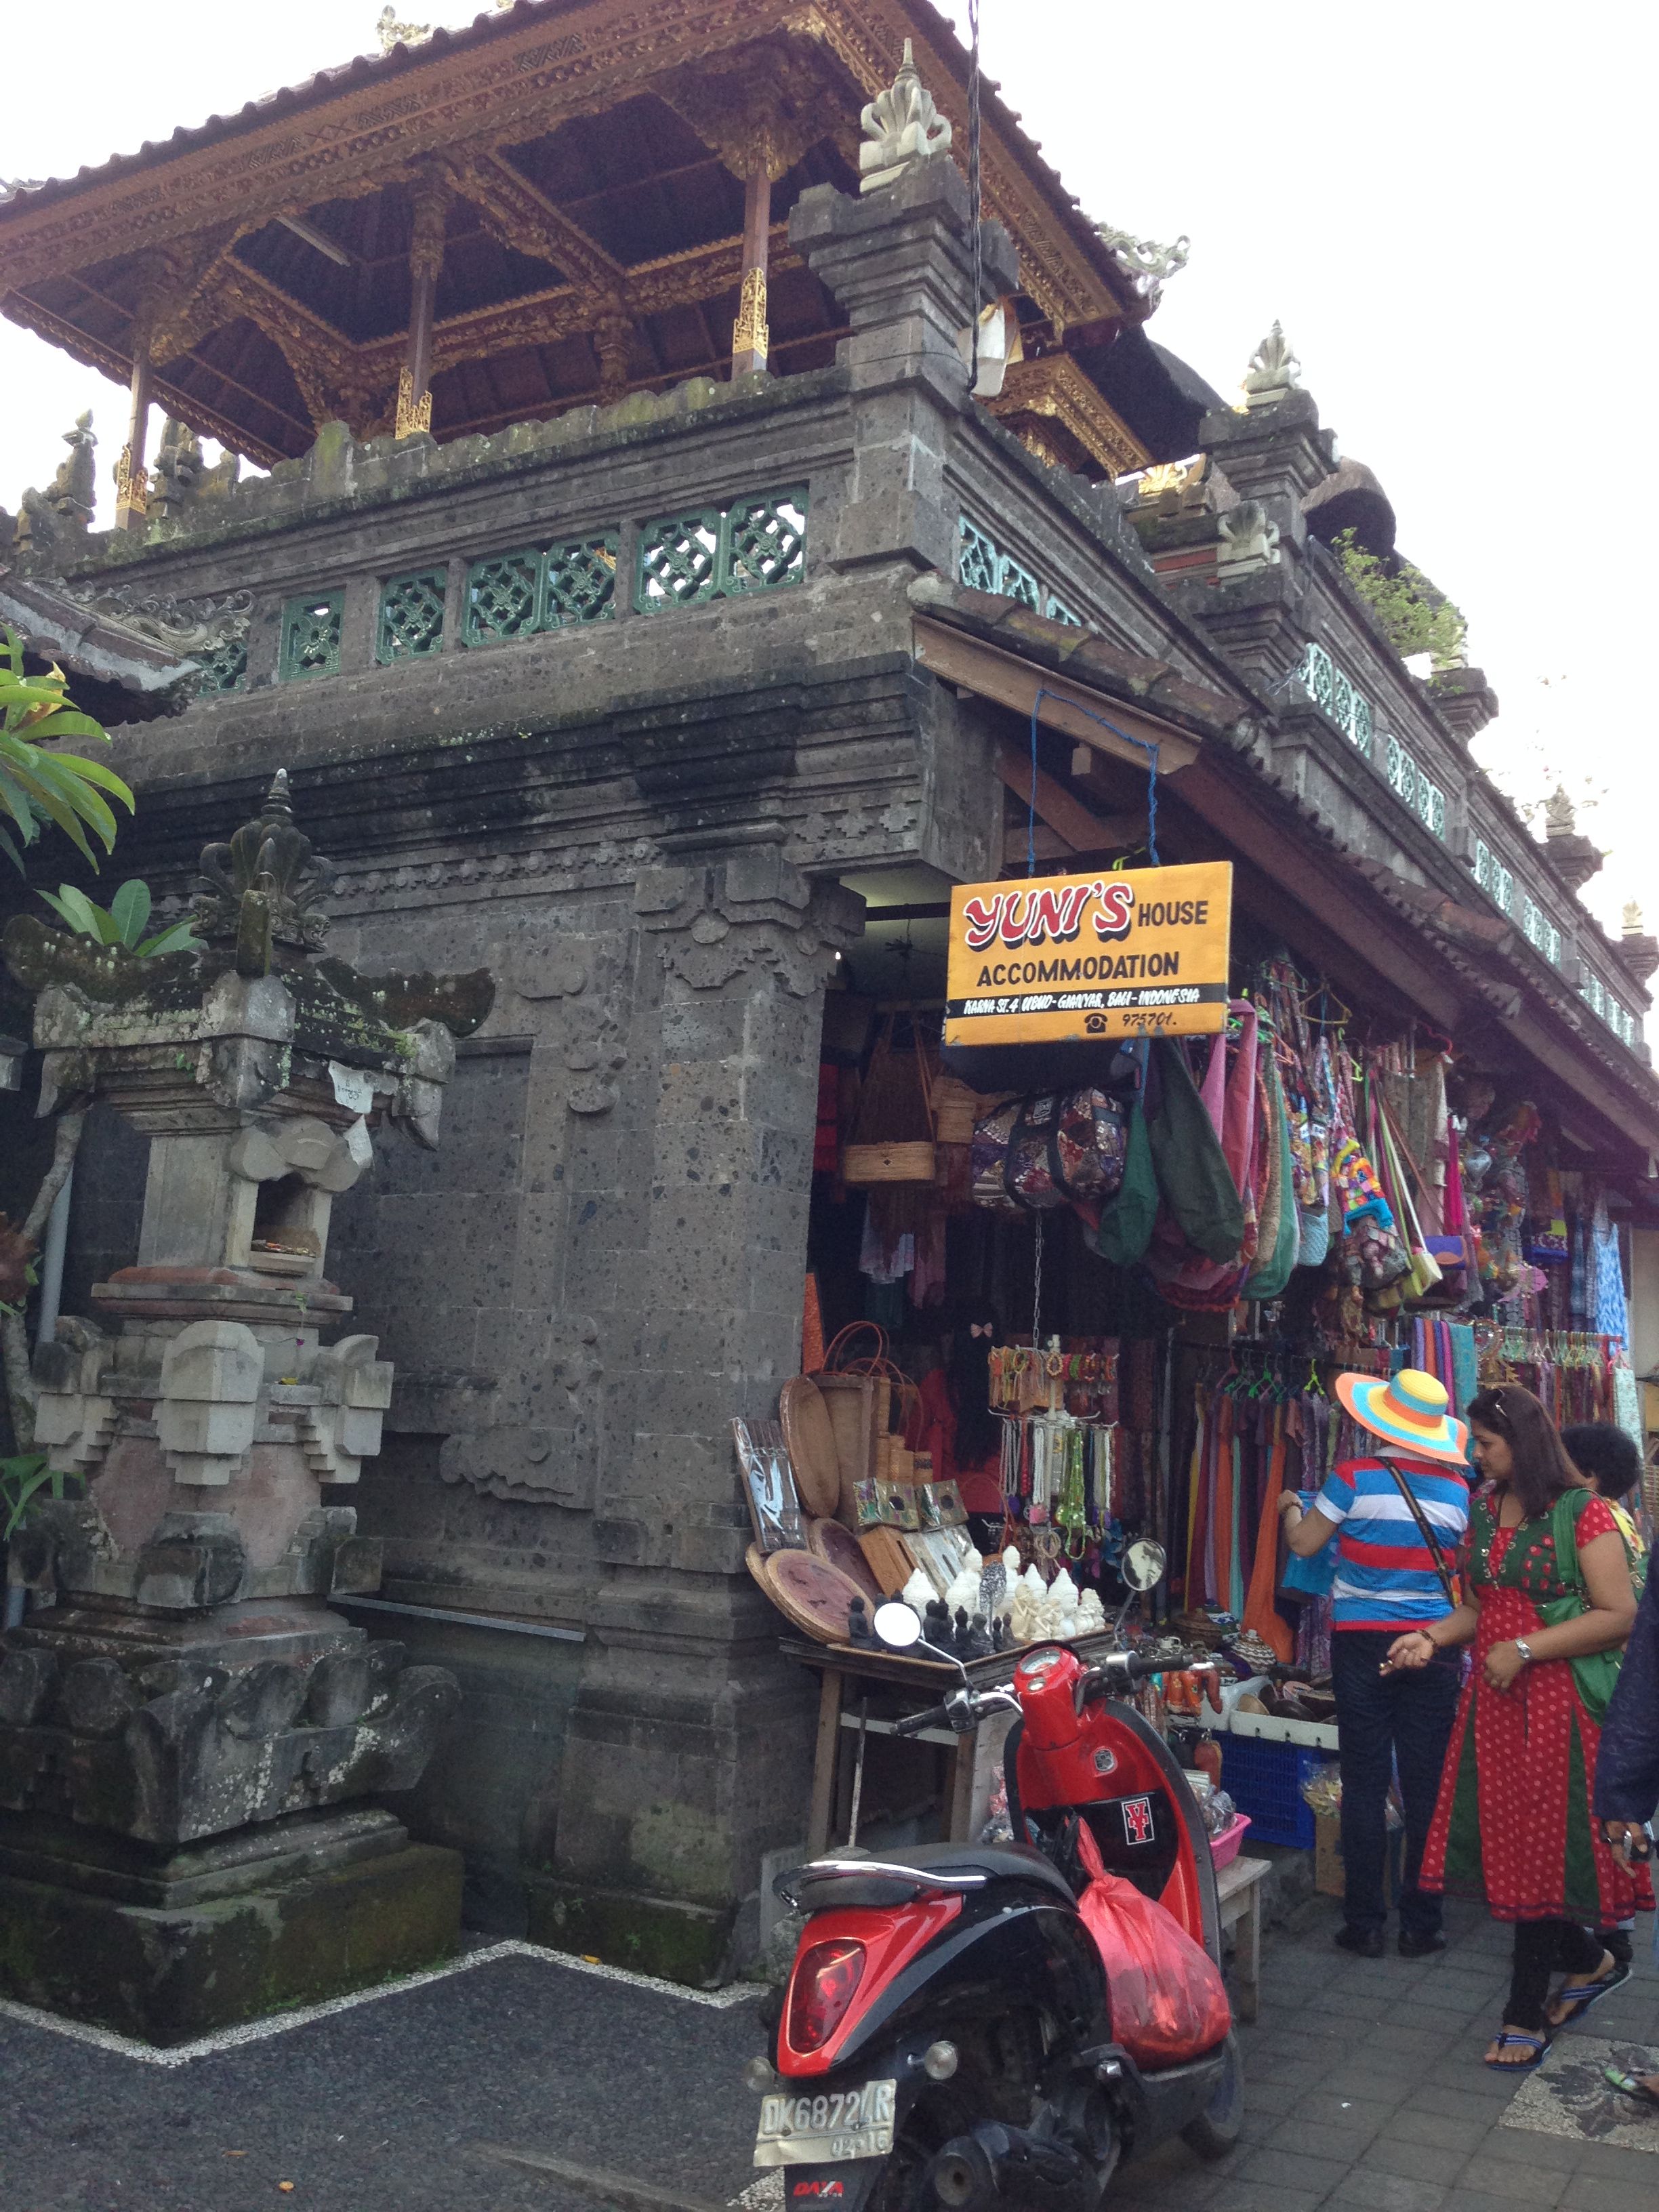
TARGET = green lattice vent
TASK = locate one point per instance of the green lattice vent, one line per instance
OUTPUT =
(311, 636)
(224, 665)
(412, 615)
(713, 553)
(511, 594)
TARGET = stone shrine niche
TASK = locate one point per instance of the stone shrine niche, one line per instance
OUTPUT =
(180, 1678)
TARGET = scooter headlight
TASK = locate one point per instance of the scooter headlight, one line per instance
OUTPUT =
(825, 1981)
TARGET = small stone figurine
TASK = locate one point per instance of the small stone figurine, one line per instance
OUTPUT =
(859, 1629)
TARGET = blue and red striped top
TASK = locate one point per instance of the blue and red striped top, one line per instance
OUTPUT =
(1385, 1574)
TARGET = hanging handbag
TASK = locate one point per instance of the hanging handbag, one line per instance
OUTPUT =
(892, 1139)
(1125, 1228)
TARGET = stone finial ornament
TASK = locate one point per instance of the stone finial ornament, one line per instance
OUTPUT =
(1274, 373)
(1631, 923)
(901, 128)
(265, 887)
(1249, 540)
(1559, 819)
(177, 471)
(391, 32)
(1147, 264)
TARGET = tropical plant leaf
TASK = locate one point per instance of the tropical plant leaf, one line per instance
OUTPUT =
(78, 910)
(130, 910)
(172, 939)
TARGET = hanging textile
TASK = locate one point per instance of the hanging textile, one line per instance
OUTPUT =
(1612, 1316)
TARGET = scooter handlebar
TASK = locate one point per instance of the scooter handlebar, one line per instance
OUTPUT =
(914, 1723)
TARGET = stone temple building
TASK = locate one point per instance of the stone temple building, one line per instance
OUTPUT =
(645, 612)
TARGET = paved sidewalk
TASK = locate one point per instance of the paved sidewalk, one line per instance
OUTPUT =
(1366, 2094)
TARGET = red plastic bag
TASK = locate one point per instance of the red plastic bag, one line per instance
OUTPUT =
(1168, 2002)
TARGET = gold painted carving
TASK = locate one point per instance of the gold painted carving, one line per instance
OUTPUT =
(748, 332)
(413, 415)
(1054, 389)
(132, 485)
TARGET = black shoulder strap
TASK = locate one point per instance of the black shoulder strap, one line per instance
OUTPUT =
(1426, 1530)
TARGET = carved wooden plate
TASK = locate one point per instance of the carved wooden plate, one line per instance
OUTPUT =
(810, 1439)
(815, 1595)
(838, 1547)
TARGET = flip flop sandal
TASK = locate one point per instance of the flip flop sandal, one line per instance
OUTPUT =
(1538, 2044)
(1589, 1994)
(1629, 2084)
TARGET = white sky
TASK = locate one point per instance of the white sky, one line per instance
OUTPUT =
(1446, 204)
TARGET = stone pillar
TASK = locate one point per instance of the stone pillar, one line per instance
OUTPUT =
(899, 260)
(690, 1741)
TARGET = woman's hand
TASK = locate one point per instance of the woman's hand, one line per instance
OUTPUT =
(1629, 1842)
(1504, 1664)
(1416, 1648)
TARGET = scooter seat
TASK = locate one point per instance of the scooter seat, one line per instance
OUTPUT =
(997, 1862)
(829, 1885)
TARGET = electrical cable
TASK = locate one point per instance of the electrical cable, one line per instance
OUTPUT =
(1146, 745)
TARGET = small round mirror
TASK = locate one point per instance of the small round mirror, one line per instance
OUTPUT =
(897, 1627)
(1143, 1566)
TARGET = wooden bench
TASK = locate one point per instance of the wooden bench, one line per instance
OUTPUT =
(1238, 1887)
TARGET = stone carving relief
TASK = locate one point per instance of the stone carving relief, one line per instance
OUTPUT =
(581, 990)
(754, 908)
(1148, 265)
(546, 1462)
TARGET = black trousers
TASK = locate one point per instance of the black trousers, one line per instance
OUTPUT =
(1402, 1720)
(1543, 1948)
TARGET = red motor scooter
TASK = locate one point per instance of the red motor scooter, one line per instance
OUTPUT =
(946, 2036)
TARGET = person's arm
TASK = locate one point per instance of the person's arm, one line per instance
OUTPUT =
(1418, 1646)
(1627, 1765)
(1605, 1624)
(1308, 1532)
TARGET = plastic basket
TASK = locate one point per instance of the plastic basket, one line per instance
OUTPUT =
(1265, 1780)
(1225, 1848)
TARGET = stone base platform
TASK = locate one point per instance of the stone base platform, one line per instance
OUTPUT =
(656, 1935)
(168, 1947)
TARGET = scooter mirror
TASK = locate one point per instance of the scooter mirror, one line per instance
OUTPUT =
(1143, 1566)
(896, 1627)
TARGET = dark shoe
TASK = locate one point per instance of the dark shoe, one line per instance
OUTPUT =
(1364, 1942)
(1419, 1947)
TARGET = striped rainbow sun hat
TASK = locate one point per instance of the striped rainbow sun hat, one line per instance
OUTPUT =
(1408, 1409)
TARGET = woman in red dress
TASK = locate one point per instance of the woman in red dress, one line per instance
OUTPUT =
(1513, 1821)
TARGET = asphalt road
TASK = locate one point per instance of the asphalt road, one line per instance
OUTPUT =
(382, 2108)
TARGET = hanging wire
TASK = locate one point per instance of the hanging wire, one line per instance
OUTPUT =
(1036, 1285)
(1146, 746)
(973, 191)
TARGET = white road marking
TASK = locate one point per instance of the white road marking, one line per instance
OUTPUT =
(256, 2031)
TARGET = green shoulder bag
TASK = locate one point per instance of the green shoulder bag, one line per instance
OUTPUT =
(1594, 1673)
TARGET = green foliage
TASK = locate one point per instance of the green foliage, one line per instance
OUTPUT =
(121, 922)
(1415, 617)
(36, 787)
(21, 1481)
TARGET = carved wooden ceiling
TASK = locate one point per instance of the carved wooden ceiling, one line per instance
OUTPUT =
(584, 161)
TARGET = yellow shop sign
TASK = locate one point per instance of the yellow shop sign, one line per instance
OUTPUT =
(1066, 958)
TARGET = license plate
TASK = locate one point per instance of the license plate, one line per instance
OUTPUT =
(821, 2130)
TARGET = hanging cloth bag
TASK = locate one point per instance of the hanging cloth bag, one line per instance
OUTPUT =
(1193, 1175)
(1125, 1221)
